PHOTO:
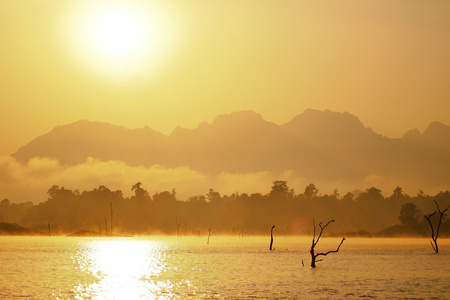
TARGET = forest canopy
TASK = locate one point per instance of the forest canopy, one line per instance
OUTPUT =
(104, 211)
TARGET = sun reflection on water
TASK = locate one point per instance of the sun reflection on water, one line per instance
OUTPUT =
(123, 269)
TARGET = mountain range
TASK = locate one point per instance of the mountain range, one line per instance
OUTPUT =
(316, 144)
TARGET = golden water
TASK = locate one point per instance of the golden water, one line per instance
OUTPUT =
(158, 267)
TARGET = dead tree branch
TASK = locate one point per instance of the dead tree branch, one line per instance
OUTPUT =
(435, 234)
(314, 243)
(332, 251)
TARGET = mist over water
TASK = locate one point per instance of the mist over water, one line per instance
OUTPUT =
(229, 267)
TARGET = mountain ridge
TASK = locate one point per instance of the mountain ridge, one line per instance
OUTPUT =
(315, 144)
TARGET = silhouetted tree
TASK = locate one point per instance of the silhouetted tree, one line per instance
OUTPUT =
(139, 192)
(409, 215)
(165, 197)
(349, 197)
(335, 194)
(213, 195)
(281, 190)
(310, 191)
(14, 212)
(398, 197)
(372, 194)
(398, 192)
(435, 234)
(314, 243)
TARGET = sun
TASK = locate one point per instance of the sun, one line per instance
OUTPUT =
(119, 33)
(118, 38)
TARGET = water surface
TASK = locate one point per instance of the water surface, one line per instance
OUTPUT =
(159, 267)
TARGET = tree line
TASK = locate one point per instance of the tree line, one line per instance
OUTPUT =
(104, 211)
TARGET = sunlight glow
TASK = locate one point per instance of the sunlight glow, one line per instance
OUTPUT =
(125, 269)
(119, 33)
(119, 39)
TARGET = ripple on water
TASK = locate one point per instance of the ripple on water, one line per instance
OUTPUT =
(179, 268)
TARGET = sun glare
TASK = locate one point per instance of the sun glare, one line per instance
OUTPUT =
(125, 269)
(118, 38)
(119, 33)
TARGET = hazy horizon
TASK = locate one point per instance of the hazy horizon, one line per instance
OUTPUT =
(163, 64)
(172, 64)
(84, 155)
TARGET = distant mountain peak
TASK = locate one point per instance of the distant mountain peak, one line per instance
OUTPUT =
(313, 124)
(412, 135)
(437, 132)
(86, 124)
(327, 118)
(75, 142)
(435, 126)
(244, 116)
(179, 131)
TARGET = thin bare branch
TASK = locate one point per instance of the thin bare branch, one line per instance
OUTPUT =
(314, 234)
(435, 234)
(441, 212)
(332, 251)
(321, 229)
(430, 215)
(431, 225)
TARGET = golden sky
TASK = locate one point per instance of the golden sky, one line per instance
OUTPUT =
(178, 63)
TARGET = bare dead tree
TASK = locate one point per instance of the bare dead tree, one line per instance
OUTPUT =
(178, 222)
(111, 208)
(209, 234)
(314, 243)
(435, 234)
(240, 231)
(271, 238)
(185, 228)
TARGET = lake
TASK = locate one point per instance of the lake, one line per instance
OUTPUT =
(160, 267)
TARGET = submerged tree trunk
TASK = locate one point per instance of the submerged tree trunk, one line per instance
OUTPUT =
(271, 238)
(434, 235)
(178, 222)
(209, 234)
(112, 212)
(314, 243)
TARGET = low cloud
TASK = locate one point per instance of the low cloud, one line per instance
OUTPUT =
(258, 182)
(30, 182)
